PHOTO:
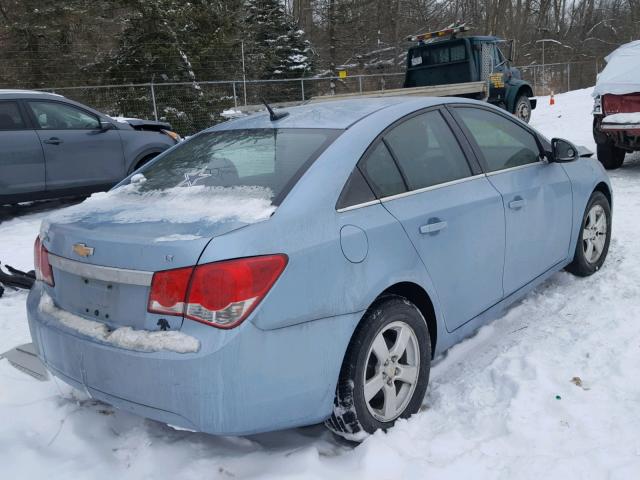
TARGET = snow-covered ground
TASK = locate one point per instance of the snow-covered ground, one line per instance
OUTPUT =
(551, 390)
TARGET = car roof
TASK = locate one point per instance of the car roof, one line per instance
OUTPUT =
(338, 114)
(16, 93)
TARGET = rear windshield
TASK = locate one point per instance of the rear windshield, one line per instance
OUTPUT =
(270, 159)
(438, 54)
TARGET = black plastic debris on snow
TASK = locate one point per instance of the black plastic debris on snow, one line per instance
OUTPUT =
(16, 279)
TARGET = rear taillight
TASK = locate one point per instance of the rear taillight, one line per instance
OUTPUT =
(43, 268)
(221, 294)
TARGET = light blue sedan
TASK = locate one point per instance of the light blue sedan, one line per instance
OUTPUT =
(283, 270)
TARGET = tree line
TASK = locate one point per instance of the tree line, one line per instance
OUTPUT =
(47, 43)
(53, 44)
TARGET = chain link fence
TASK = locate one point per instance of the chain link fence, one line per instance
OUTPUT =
(191, 107)
(560, 77)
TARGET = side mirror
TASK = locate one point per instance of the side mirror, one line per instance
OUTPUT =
(104, 125)
(512, 50)
(563, 151)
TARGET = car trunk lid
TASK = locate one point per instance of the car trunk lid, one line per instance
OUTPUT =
(104, 251)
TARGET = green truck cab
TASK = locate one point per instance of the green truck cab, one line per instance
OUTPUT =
(436, 61)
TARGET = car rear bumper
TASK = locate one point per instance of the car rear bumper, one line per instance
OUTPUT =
(242, 383)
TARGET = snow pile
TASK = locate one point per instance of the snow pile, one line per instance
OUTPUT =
(570, 118)
(198, 203)
(124, 337)
(620, 76)
(622, 118)
(232, 113)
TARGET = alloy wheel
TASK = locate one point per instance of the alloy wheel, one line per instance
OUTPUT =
(391, 374)
(594, 234)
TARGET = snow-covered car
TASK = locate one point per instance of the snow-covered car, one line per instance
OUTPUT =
(52, 147)
(616, 111)
(282, 270)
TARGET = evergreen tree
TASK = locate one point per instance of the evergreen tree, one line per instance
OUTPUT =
(277, 47)
(173, 41)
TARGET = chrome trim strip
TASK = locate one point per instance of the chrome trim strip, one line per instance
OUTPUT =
(98, 272)
(358, 205)
(519, 167)
(432, 187)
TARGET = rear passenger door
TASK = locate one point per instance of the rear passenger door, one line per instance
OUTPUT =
(78, 152)
(537, 194)
(21, 159)
(452, 214)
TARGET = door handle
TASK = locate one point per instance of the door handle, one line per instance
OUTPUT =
(52, 141)
(434, 227)
(516, 204)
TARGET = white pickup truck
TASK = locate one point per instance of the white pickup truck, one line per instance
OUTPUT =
(616, 112)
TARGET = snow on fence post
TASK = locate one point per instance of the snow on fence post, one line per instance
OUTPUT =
(568, 77)
(153, 100)
(302, 88)
(360, 83)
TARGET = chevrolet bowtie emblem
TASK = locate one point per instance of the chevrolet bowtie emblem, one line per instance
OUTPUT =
(82, 250)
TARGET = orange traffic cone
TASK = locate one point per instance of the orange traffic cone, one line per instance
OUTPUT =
(552, 100)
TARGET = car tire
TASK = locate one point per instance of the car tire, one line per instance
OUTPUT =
(610, 156)
(522, 108)
(594, 237)
(396, 375)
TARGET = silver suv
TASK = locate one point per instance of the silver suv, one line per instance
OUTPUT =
(52, 147)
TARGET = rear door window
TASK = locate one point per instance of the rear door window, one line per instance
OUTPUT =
(269, 159)
(10, 117)
(356, 191)
(427, 151)
(502, 142)
(382, 173)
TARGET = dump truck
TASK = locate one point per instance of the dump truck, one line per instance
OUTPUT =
(442, 64)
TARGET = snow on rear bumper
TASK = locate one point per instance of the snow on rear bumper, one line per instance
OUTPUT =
(241, 381)
(621, 122)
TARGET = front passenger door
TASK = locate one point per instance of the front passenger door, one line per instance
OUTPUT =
(78, 152)
(536, 194)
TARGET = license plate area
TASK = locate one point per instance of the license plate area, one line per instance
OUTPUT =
(112, 303)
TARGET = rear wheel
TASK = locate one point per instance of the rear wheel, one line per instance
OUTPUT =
(610, 156)
(593, 240)
(522, 109)
(385, 372)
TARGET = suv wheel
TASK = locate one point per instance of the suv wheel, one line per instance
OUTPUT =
(610, 156)
(385, 372)
(594, 237)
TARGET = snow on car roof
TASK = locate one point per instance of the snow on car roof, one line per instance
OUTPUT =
(620, 76)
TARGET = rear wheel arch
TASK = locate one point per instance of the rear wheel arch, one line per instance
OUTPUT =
(421, 299)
